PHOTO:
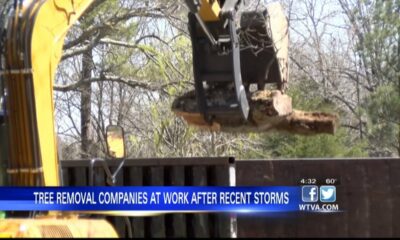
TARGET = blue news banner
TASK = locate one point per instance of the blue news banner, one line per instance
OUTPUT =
(171, 199)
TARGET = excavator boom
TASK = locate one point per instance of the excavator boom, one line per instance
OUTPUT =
(32, 48)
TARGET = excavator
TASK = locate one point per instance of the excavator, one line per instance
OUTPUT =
(237, 48)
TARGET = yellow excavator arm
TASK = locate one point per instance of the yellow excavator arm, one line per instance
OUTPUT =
(33, 48)
(51, 25)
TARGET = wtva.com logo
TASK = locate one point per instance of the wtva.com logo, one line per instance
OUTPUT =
(311, 194)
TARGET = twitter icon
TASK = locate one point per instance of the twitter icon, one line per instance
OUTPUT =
(327, 193)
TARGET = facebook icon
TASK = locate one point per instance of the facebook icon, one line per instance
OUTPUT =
(309, 193)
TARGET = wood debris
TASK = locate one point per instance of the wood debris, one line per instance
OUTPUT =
(269, 111)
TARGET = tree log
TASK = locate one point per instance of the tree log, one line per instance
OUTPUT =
(269, 111)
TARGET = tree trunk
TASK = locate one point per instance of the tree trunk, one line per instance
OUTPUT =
(86, 99)
(269, 111)
(398, 80)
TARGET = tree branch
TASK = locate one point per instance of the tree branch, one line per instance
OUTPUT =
(127, 81)
(130, 82)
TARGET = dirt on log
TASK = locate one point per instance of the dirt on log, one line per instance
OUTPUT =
(269, 111)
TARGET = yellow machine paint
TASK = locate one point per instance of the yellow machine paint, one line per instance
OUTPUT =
(33, 53)
(51, 228)
(47, 42)
(209, 10)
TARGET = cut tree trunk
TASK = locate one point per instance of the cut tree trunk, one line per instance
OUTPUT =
(269, 111)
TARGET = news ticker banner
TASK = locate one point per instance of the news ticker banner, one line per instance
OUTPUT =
(168, 199)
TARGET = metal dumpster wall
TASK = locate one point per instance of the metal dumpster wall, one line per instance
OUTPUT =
(163, 172)
(369, 193)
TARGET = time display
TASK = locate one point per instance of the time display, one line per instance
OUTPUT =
(319, 181)
(308, 181)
